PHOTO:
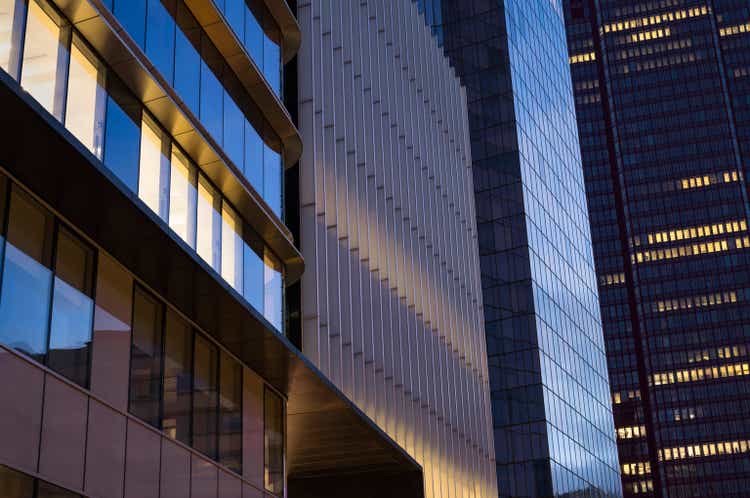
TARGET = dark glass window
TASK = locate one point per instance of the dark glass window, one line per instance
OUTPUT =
(272, 179)
(132, 15)
(160, 32)
(273, 443)
(230, 423)
(187, 70)
(253, 158)
(254, 39)
(72, 308)
(205, 393)
(233, 131)
(123, 134)
(146, 358)
(178, 362)
(212, 96)
(27, 278)
(15, 484)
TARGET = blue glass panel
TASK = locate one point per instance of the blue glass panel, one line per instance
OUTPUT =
(122, 144)
(234, 131)
(24, 303)
(253, 277)
(234, 10)
(254, 39)
(272, 64)
(132, 15)
(160, 38)
(212, 94)
(70, 332)
(187, 72)
(253, 158)
(272, 179)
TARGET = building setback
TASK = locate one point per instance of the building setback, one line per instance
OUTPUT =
(548, 374)
(391, 305)
(144, 259)
(662, 101)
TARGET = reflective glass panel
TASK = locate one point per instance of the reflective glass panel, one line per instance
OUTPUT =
(182, 198)
(122, 138)
(153, 175)
(178, 362)
(253, 158)
(212, 96)
(272, 64)
(233, 131)
(84, 109)
(27, 279)
(209, 221)
(272, 179)
(132, 15)
(72, 309)
(205, 396)
(273, 443)
(272, 299)
(145, 358)
(41, 53)
(230, 423)
(160, 31)
(231, 247)
(187, 71)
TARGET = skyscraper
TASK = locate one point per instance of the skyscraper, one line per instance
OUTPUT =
(551, 404)
(662, 93)
(391, 303)
(144, 257)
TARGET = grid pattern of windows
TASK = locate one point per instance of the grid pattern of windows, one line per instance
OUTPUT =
(664, 147)
(551, 399)
(59, 70)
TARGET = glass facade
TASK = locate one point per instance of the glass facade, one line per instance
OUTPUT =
(14, 484)
(70, 82)
(548, 374)
(661, 94)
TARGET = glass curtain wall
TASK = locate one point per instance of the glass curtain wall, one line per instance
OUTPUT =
(59, 70)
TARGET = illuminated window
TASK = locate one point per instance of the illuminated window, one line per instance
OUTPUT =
(11, 19)
(84, 108)
(231, 247)
(153, 175)
(208, 224)
(42, 53)
(182, 198)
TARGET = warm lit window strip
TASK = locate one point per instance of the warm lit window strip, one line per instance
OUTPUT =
(691, 250)
(654, 34)
(707, 180)
(723, 352)
(704, 450)
(612, 279)
(636, 468)
(657, 19)
(661, 62)
(587, 57)
(735, 30)
(732, 226)
(684, 303)
(631, 432)
(643, 486)
(699, 374)
(623, 396)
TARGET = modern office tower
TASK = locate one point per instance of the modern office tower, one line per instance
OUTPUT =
(550, 393)
(143, 261)
(662, 100)
(391, 303)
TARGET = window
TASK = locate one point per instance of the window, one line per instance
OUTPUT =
(72, 308)
(177, 392)
(132, 15)
(122, 135)
(11, 26)
(182, 198)
(272, 64)
(273, 443)
(27, 278)
(209, 224)
(153, 176)
(272, 299)
(212, 95)
(145, 358)
(231, 247)
(84, 108)
(160, 31)
(187, 70)
(253, 270)
(253, 168)
(233, 131)
(43, 54)
(205, 393)
(230, 405)
(272, 179)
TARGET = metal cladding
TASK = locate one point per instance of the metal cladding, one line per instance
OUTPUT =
(391, 299)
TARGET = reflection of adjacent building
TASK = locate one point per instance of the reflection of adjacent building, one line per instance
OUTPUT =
(662, 103)
(143, 259)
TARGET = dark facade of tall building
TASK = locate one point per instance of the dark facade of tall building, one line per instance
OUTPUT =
(662, 94)
(550, 393)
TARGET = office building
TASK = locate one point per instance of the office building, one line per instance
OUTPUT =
(391, 305)
(552, 415)
(144, 259)
(661, 92)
